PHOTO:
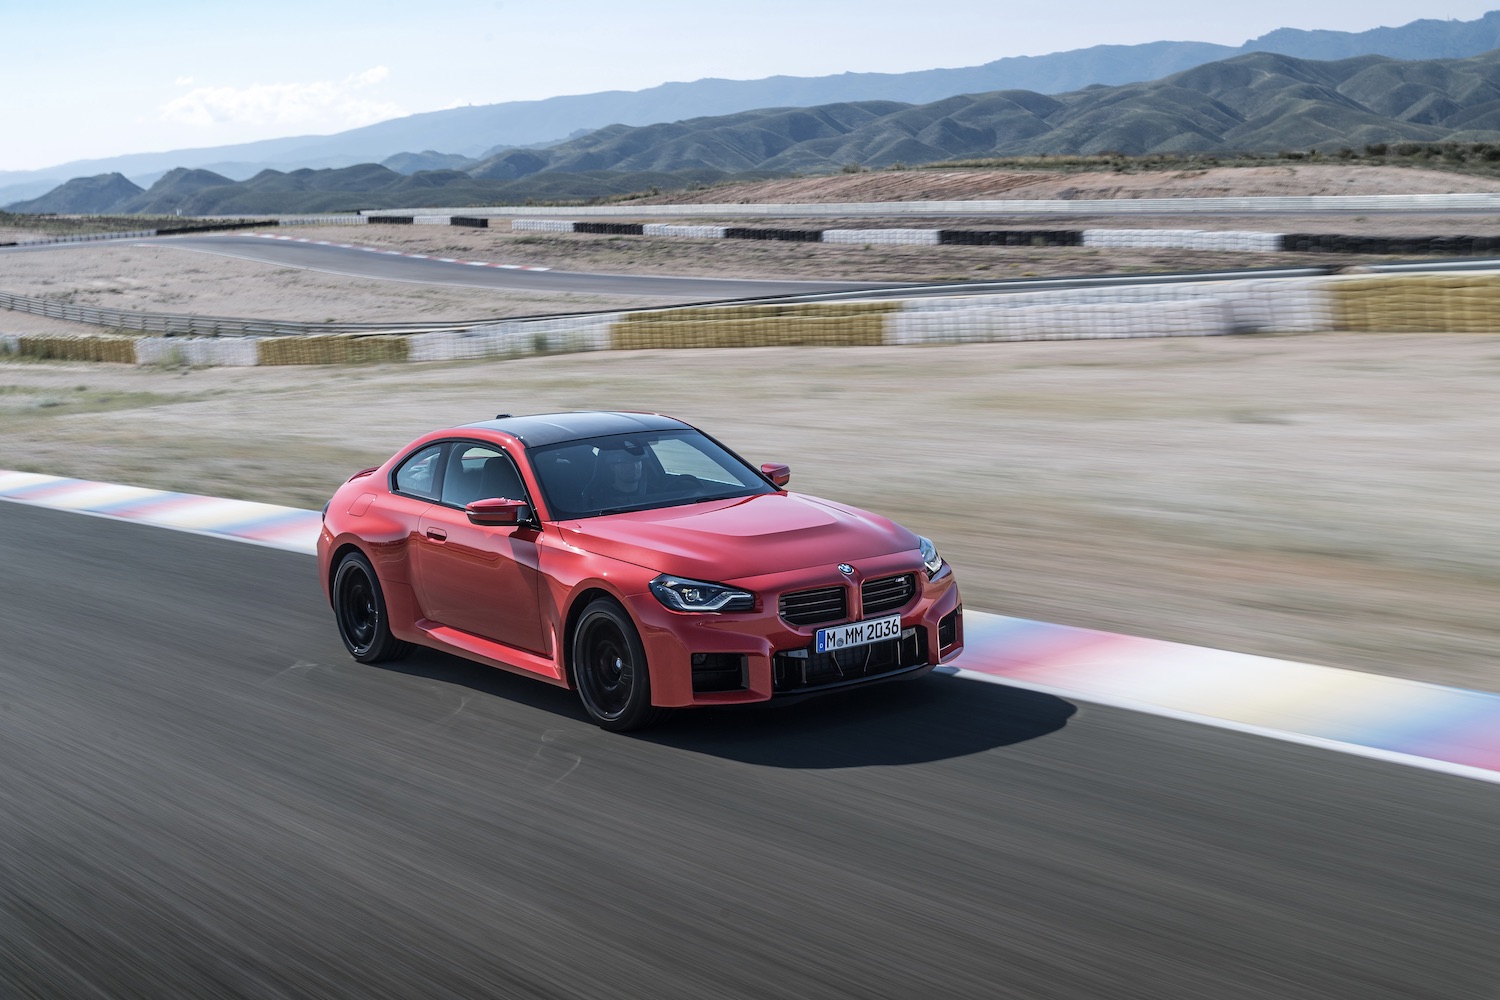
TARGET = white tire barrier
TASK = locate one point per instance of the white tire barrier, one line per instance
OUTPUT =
(541, 226)
(196, 351)
(566, 335)
(1282, 305)
(1182, 239)
(690, 232)
(922, 237)
(1061, 321)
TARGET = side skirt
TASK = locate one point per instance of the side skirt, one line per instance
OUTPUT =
(489, 652)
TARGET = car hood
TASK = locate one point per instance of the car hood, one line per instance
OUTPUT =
(728, 540)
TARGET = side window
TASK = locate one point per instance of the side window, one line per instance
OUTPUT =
(417, 476)
(478, 472)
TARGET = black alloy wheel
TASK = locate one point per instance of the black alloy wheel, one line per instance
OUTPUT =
(609, 669)
(359, 608)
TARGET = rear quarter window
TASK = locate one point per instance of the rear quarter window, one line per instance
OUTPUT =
(417, 476)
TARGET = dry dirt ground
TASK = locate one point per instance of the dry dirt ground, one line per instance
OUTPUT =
(983, 185)
(1329, 498)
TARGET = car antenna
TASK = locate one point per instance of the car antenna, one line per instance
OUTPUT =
(501, 416)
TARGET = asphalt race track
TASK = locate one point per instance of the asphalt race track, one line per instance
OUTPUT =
(397, 267)
(202, 795)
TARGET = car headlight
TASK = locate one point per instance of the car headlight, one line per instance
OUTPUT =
(695, 595)
(931, 561)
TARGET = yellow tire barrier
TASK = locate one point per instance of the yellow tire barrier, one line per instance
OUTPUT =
(120, 350)
(1417, 303)
(331, 350)
(841, 324)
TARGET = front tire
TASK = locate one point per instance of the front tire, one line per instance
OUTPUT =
(359, 609)
(609, 669)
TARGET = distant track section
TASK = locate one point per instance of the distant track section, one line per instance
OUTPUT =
(1109, 239)
(1396, 203)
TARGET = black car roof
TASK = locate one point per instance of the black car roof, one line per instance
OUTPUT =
(553, 428)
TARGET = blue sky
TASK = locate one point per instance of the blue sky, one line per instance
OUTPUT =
(87, 79)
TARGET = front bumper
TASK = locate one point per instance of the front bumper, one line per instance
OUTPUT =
(735, 658)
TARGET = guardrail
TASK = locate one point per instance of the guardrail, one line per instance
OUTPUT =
(174, 325)
(142, 234)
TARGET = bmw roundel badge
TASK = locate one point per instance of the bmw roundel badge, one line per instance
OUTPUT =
(846, 569)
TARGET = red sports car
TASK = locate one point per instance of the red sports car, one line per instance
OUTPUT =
(633, 558)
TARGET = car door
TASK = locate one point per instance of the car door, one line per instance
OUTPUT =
(480, 579)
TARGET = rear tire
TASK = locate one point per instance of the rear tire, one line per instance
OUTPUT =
(609, 669)
(359, 609)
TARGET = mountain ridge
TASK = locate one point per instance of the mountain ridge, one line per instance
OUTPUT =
(523, 123)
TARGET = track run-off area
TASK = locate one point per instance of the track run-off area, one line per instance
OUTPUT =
(203, 795)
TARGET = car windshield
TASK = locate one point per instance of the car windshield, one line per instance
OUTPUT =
(640, 471)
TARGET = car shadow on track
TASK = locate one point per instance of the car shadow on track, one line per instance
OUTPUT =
(904, 722)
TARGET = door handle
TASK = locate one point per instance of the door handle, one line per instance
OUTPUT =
(437, 534)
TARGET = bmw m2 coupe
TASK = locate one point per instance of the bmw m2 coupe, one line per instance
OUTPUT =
(632, 558)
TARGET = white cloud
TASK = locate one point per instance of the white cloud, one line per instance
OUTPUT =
(322, 103)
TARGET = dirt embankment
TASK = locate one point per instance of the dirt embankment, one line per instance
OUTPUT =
(994, 185)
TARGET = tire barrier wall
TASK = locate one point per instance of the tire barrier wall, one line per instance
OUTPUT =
(196, 352)
(517, 338)
(1424, 303)
(788, 235)
(1011, 237)
(693, 232)
(920, 237)
(1416, 303)
(541, 226)
(1453, 246)
(329, 220)
(1174, 310)
(1183, 239)
(609, 228)
(1117, 239)
(833, 324)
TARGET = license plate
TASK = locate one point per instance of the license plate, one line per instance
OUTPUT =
(858, 634)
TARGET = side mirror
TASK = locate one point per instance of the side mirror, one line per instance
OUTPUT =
(777, 473)
(497, 512)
